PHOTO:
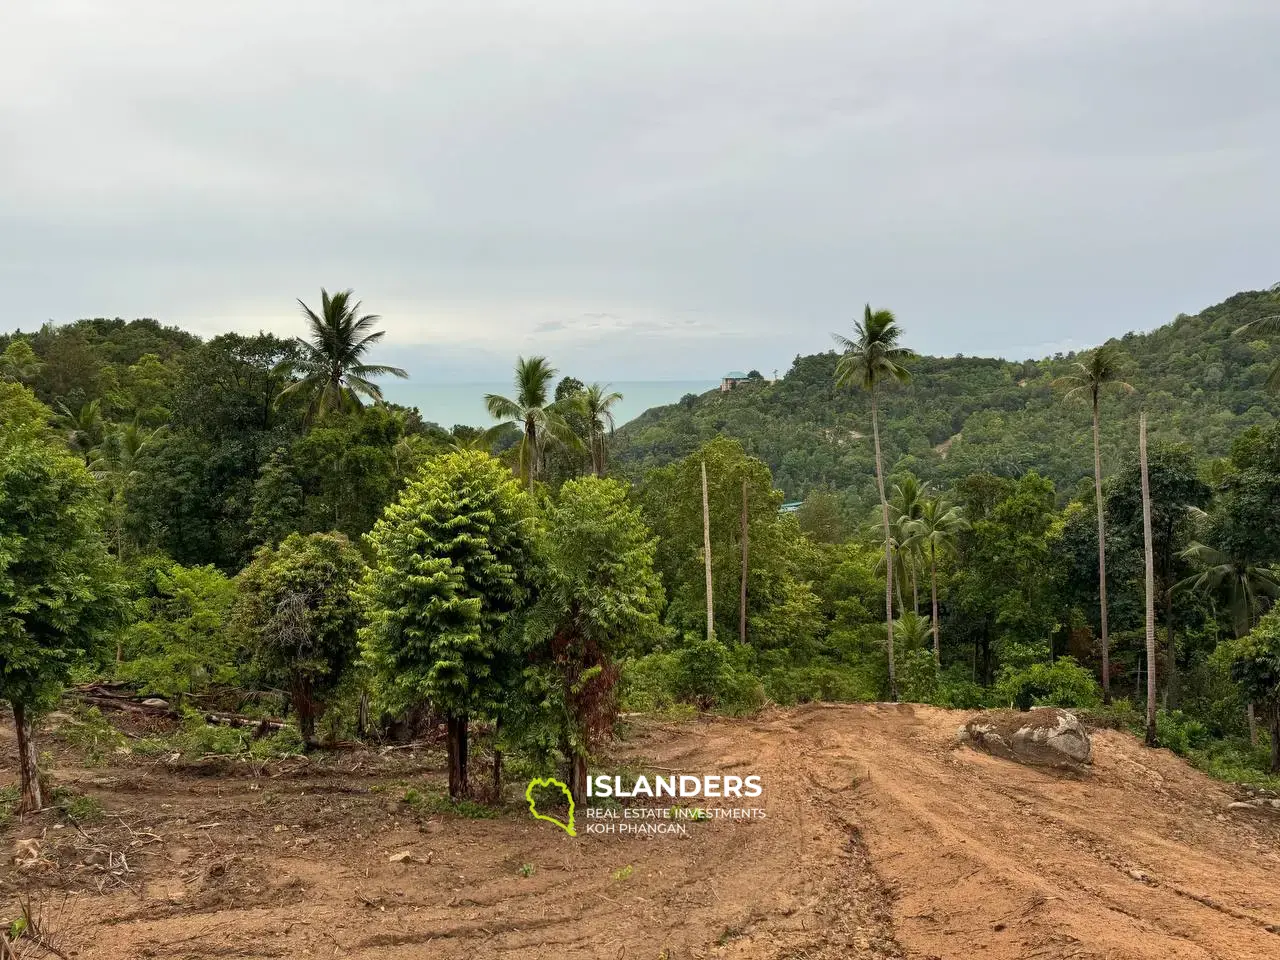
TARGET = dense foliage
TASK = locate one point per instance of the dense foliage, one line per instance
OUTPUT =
(286, 549)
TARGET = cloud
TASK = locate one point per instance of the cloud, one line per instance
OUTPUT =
(602, 180)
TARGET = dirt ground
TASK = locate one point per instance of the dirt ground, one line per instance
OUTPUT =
(883, 839)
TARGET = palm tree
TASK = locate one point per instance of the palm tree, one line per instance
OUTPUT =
(909, 496)
(869, 358)
(85, 427)
(538, 421)
(1239, 583)
(330, 366)
(1264, 326)
(1093, 374)
(934, 534)
(595, 405)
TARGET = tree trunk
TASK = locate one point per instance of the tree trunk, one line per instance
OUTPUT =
(1102, 557)
(915, 592)
(457, 748)
(1150, 564)
(888, 548)
(1172, 694)
(28, 765)
(1275, 738)
(1252, 717)
(362, 719)
(706, 551)
(578, 776)
(933, 581)
(531, 458)
(742, 600)
(305, 707)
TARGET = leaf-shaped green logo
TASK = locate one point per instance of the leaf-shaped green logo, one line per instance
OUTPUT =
(533, 804)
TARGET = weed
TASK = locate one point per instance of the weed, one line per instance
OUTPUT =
(9, 797)
(439, 803)
(526, 870)
(623, 874)
(90, 731)
(79, 807)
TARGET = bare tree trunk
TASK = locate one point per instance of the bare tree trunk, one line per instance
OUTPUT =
(362, 719)
(497, 761)
(706, 550)
(933, 579)
(1275, 738)
(742, 600)
(1102, 557)
(1150, 563)
(457, 748)
(888, 548)
(578, 776)
(915, 592)
(28, 763)
(1252, 717)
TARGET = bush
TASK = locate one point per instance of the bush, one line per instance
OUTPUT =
(1180, 733)
(788, 685)
(917, 676)
(1063, 683)
(702, 672)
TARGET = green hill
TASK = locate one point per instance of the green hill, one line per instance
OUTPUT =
(1199, 384)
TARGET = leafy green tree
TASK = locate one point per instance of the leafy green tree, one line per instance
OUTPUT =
(932, 534)
(59, 591)
(1007, 582)
(453, 556)
(179, 641)
(599, 599)
(1175, 488)
(1100, 369)
(867, 361)
(297, 604)
(821, 516)
(540, 422)
(330, 364)
(19, 362)
(1255, 666)
(1264, 326)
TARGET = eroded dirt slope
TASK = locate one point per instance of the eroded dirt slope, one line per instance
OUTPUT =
(882, 840)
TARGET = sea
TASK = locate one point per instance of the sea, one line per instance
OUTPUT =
(463, 403)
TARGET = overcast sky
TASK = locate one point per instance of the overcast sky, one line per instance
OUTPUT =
(643, 189)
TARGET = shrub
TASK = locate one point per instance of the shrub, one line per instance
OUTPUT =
(1180, 733)
(788, 685)
(1063, 683)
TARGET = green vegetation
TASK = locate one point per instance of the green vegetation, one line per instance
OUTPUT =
(242, 524)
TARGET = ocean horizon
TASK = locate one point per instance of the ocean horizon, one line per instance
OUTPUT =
(463, 403)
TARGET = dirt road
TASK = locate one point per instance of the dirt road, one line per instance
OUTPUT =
(882, 840)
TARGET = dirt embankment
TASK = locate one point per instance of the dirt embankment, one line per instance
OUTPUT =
(882, 840)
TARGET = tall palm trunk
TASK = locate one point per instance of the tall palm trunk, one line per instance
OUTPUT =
(1102, 557)
(742, 600)
(706, 550)
(597, 452)
(1150, 564)
(888, 546)
(531, 451)
(933, 580)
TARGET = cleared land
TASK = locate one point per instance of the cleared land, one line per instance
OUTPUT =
(882, 840)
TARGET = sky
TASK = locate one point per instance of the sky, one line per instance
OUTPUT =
(640, 190)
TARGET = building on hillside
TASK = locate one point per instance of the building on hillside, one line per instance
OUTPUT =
(792, 506)
(731, 380)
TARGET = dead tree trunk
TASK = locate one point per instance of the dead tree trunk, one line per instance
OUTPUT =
(457, 749)
(1149, 561)
(578, 776)
(28, 764)
(706, 550)
(742, 602)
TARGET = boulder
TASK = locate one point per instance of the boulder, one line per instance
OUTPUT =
(1043, 737)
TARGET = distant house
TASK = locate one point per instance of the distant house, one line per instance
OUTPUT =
(791, 507)
(732, 379)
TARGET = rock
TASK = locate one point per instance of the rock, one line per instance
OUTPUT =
(1140, 875)
(1043, 737)
(1241, 805)
(155, 702)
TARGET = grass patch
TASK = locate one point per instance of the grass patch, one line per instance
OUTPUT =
(79, 807)
(9, 798)
(429, 802)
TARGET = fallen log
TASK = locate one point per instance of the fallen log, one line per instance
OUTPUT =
(100, 696)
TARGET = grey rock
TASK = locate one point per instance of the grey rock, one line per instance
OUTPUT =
(1043, 737)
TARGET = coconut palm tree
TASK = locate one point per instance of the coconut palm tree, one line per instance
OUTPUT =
(1100, 368)
(1264, 326)
(869, 359)
(85, 428)
(934, 534)
(595, 405)
(1239, 584)
(539, 421)
(909, 496)
(330, 366)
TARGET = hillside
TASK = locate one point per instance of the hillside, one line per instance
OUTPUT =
(881, 840)
(1199, 384)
